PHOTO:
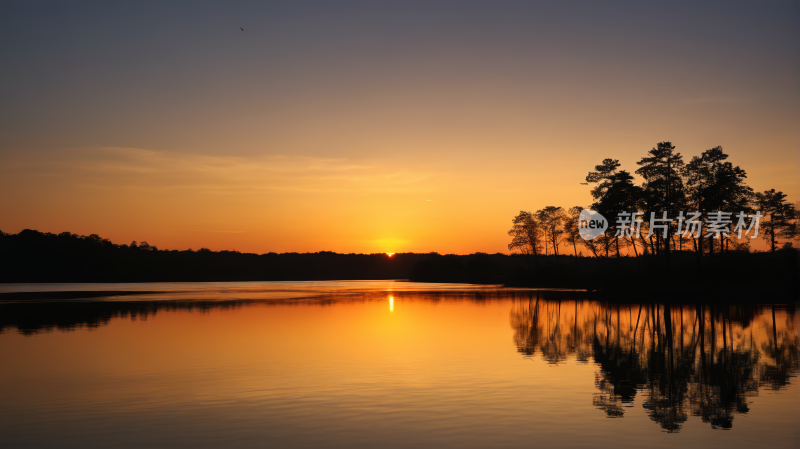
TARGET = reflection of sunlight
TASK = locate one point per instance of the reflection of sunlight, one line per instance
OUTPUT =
(391, 304)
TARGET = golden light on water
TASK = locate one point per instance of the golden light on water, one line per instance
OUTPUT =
(435, 352)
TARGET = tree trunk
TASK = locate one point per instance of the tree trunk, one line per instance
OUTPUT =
(711, 247)
(700, 238)
(635, 251)
(555, 246)
(772, 233)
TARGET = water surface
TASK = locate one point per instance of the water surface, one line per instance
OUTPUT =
(390, 364)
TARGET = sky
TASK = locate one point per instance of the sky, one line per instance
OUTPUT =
(371, 126)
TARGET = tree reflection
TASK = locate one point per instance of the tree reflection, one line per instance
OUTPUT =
(31, 318)
(699, 360)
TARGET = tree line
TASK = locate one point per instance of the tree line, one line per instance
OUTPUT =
(671, 187)
(34, 256)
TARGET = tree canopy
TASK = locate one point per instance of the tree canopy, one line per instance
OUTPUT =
(659, 209)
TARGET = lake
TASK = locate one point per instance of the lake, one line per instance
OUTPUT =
(389, 364)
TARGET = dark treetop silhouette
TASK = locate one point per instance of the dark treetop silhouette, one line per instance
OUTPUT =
(706, 184)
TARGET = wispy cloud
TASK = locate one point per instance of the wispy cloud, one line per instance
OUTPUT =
(136, 168)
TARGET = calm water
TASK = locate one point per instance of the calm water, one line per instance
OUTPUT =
(390, 364)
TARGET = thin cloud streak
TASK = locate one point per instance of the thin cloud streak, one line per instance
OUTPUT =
(135, 168)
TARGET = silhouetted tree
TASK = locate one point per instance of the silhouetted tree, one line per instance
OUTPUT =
(715, 185)
(615, 193)
(621, 195)
(781, 217)
(663, 188)
(602, 176)
(595, 246)
(551, 219)
(526, 236)
(571, 232)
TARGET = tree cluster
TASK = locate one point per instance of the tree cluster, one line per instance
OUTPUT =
(671, 187)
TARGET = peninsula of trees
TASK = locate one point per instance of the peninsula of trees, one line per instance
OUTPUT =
(706, 184)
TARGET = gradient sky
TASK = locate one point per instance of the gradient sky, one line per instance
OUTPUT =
(371, 126)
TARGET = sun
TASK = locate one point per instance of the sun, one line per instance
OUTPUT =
(389, 246)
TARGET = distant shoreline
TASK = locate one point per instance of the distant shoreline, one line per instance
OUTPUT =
(35, 257)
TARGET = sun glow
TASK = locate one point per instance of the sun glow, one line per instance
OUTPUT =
(390, 254)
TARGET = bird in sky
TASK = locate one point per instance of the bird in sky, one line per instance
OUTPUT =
(241, 28)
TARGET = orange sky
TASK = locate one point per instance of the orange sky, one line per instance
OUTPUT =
(361, 128)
